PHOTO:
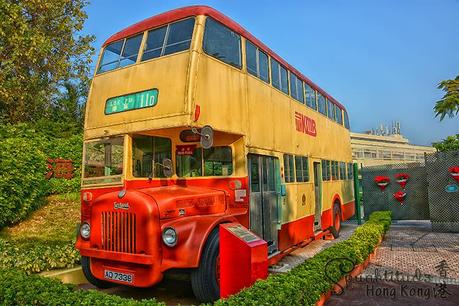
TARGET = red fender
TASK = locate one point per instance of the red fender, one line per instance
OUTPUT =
(192, 235)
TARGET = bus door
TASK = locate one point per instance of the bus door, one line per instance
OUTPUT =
(317, 195)
(264, 198)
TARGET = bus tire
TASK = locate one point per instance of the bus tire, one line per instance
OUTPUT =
(86, 266)
(336, 220)
(206, 286)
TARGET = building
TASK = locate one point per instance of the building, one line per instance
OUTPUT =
(379, 147)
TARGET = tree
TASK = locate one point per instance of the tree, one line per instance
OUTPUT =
(40, 50)
(451, 143)
(449, 104)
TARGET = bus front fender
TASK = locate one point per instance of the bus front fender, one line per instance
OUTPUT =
(192, 235)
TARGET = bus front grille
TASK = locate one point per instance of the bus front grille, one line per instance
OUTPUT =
(119, 231)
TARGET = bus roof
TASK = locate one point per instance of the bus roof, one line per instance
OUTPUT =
(184, 12)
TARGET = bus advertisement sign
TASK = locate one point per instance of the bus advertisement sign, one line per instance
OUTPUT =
(304, 124)
(147, 98)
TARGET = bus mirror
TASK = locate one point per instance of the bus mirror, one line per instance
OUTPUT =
(207, 136)
(283, 190)
(167, 167)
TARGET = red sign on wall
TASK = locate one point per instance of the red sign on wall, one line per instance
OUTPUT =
(186, 149)
(60, 168)
(305, 125)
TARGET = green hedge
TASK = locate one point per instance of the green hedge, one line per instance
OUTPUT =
(23, 154)
(36, 256)
(304, 284)
(17, 288)
(22, 181)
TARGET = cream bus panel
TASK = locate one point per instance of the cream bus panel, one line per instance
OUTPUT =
(220, 94)
(167, 74)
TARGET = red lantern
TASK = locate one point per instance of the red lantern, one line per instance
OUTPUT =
(382, 181)
(402, 178)
(400, 196)
(454, 173)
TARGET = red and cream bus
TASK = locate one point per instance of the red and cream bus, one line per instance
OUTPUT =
(192, 122)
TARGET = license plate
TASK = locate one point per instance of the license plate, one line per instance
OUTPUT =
(118, 276)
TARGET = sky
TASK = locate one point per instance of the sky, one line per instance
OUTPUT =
(382, 59)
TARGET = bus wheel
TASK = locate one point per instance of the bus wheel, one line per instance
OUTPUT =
(336, 228)
(205, 280)
(85, 265)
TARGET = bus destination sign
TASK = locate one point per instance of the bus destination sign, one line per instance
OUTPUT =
(147, 98)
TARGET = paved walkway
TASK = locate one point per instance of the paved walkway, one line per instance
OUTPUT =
(300, 255)
(413, 266)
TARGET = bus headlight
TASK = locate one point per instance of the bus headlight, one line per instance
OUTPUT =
(85, 230)
(170, 236)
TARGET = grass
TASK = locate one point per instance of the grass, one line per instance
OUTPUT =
(54, 221)
(44, 241)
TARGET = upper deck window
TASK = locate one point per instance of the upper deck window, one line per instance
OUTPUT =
(310, 96)
(338, 115)
(279, 76)
(346, 120)
(172, 38)
(321, 101)
(296, 88)
(257, 62)
(222, 43)
(330, 110)
(120, 53)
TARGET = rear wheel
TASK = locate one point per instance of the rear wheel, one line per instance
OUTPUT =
(336, 228)
(205, 280)
(86, 266)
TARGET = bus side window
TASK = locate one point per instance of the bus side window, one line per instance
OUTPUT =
(330, 110)
(325, 170)
(302, 169)
(322, 104)
(222, 43)
(346, 120)
(338, 115)
(310, 97)
(275, 73)
(342, 170)
(257, 62)
(289, 168)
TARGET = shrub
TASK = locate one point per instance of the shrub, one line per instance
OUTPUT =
(23, 155)
(33, 256)
(19, 289)
(304, 284)
(22, 181)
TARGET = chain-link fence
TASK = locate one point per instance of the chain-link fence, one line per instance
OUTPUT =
(415, 203)
(430, 193)
(443, 191)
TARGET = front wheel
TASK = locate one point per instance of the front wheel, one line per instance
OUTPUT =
(205, 280)
(86, 266)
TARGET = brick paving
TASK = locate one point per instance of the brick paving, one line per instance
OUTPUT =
(406, 270)
(415, 252)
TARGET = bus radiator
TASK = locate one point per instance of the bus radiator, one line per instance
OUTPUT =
(119, 232)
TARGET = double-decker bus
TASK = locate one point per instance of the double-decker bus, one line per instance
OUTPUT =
(192, 122)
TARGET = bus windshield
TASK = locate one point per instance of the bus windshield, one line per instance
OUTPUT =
(103, 161)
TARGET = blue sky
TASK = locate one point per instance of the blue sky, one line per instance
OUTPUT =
(381, 59)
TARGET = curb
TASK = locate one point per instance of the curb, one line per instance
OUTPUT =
(358, 269)
(68, 276)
